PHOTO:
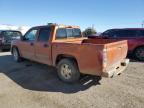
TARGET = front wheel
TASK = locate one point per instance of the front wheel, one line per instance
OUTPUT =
(139, 53)
(68, 71)
(16, 55)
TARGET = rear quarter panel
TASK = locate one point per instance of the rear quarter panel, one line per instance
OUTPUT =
(88, 56)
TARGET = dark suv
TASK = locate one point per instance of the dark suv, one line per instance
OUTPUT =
(6, 36)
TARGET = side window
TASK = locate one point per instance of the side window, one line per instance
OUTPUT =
(61, 33)
(123, 33)
(105, 33)
(31, 35)
(44, 34)
(117, 34)
(108, 33)
(142, 33)
(127, 33)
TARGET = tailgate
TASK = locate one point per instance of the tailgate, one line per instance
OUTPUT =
(115, 52)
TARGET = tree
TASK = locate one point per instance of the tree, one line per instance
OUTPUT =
(89, 31)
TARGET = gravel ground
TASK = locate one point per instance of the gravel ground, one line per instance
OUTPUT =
(33, 85)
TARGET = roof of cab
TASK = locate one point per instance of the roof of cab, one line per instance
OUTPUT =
(58, 25)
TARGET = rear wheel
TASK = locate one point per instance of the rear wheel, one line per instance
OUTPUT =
(139, 53)
(68, 71)
(16, 55)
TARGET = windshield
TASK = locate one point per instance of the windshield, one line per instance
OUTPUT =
(12, 34)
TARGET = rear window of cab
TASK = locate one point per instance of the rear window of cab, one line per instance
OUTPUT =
(68, 33)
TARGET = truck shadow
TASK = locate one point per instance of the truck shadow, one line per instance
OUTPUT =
(38, 77)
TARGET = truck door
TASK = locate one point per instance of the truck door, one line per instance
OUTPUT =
(42, 46)
(27, 45)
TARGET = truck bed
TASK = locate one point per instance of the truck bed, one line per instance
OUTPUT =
(90, 53)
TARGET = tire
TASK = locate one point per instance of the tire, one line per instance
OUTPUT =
(68, 71)
(16, 55)
(139, 53)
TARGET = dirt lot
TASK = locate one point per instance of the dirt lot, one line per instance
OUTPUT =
(32, 85)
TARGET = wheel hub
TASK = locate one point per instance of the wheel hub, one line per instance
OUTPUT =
(66, 71)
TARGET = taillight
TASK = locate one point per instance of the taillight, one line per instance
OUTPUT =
(104, 58)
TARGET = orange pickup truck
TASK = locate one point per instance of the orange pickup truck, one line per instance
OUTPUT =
(72, 54)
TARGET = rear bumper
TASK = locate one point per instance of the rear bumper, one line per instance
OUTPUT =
(116, 69)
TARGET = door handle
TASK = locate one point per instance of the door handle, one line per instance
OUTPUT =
(46, 45)
(31, 44)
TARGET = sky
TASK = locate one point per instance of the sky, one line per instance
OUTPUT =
(103, 14)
